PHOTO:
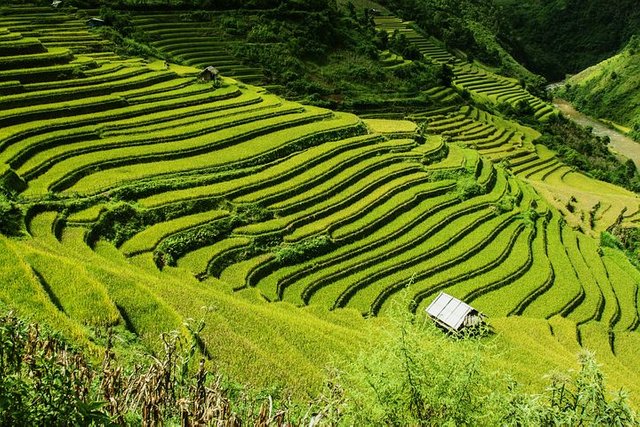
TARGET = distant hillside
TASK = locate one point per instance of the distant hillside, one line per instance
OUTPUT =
(463, 25)
(610, 89)
(557, 37)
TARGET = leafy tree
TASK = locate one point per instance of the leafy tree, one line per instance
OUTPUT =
(446, 75)
(11, 216)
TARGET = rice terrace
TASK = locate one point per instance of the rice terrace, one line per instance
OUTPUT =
(227, 213)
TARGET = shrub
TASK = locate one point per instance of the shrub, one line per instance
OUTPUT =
(521, 110)
(609, 240)
(468, 187)
(196, 16)
(42, 380)
(176, 245)
(263, 33)
(416, 375)
(303, 250)
(11, 217)
(506, 203)
(45, 381)
(577, 400)
(382, 40)
(118, 223)
(446, 75)
(121, 22)
(635, 132)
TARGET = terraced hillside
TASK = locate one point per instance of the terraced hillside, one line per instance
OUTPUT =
(585, 203)
(150, 194)
(198, 44)
(482, 84)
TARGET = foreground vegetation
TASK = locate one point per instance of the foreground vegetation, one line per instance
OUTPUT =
(413, 375)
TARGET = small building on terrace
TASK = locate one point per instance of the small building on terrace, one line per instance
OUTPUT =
(210, 73)
(96, 22)
(453, 314)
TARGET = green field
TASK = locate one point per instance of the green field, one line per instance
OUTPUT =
(151, 197)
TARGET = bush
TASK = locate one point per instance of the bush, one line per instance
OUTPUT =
(264, 33)
(468, 187)
(446, 75)
(121, 22)
(118, 223)
(417, 375)
(289, 253)
(522, 110)
(42, 380)
(196, 16)
(609, 240)
(11, 217)
(506, 203)
(635, 132)
(572, 401)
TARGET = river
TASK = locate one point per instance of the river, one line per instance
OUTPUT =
(620, 143)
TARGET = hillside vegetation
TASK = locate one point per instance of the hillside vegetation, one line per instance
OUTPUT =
(325, 57)
(137, 197)
(385, 386)
(560, 37)
(611, 89)
(551, 38)
(472, 28)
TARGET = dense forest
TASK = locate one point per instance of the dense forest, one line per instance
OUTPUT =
(560, 37)
(474, 27)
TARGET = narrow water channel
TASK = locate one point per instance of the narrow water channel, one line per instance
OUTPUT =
(620, 143)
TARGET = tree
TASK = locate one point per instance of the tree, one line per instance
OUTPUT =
(446, 75)
(382, 40)
(631, 168)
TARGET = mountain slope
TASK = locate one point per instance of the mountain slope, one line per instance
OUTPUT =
(560, 37)
(470, 26)
(611, 89)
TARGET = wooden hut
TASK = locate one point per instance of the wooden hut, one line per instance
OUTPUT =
(453, 314)
(210, 73)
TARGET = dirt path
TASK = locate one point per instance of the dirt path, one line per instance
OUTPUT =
(620, 143)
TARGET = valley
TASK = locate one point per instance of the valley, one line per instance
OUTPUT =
(620, 143)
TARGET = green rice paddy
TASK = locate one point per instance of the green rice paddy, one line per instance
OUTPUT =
(150, 195)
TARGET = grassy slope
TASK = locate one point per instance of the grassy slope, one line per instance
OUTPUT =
(255, 342)
(609, 90)
(267, 345)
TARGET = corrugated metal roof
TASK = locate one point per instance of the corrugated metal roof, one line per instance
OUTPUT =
(449, 310)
